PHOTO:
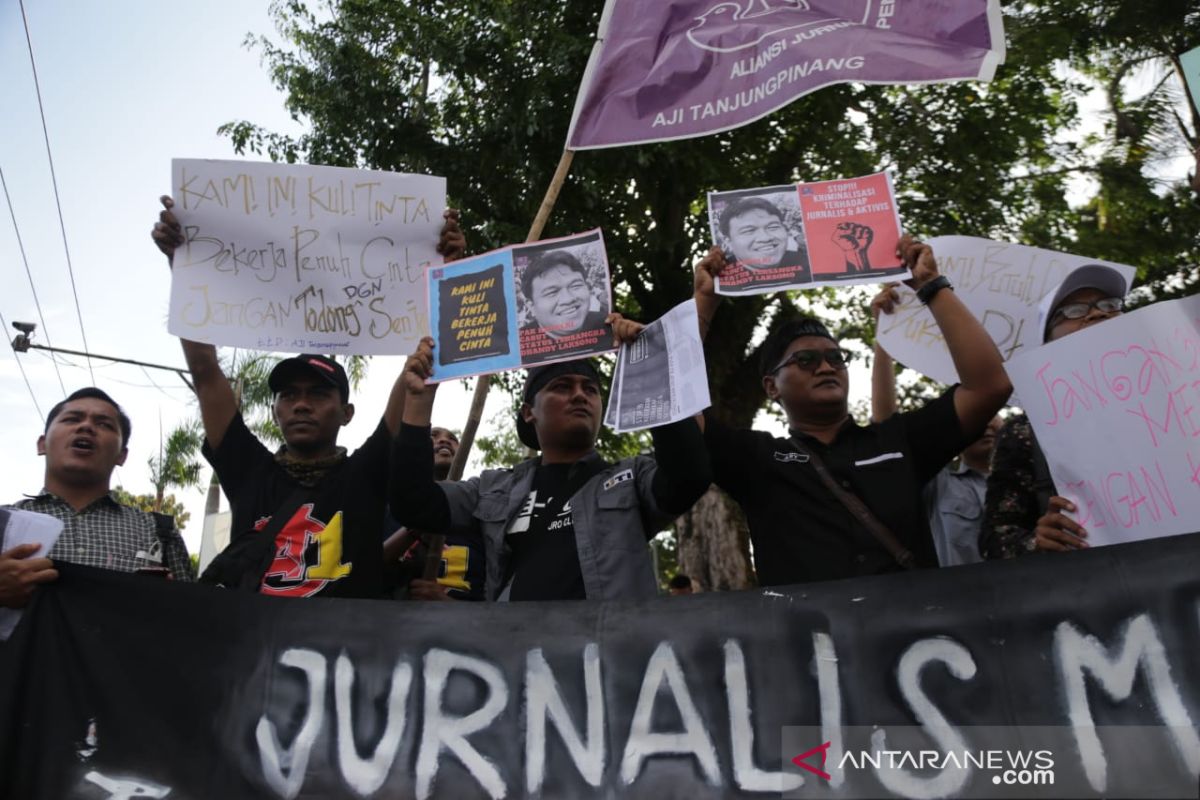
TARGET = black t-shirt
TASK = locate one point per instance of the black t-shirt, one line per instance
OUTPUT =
(544, 562)
(800, 530)
(463, 568)
(330, 546)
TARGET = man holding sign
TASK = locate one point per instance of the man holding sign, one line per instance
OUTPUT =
(307, 520)
(837, 499)
(566, 525)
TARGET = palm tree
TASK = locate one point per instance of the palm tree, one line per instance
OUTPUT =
(177, 464)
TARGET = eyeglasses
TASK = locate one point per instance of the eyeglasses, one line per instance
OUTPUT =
(1109, 305)
(810, 360)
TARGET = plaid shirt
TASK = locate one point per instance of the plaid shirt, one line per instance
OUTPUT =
(109, 535)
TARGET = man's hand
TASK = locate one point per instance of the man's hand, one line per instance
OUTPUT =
(20, 574)
(704, 287)
(452, 244)
(624, 330)
(167, 232)
(423, 589)
(1056, 531)
(707, 269)
(886, 301)
(918, 257)
(855, 240)
(417, 368)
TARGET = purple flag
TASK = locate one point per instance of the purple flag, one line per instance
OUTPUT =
(674, 69)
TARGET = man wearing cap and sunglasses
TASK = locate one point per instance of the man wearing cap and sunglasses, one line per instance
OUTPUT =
(307, 519)
(565, 525)
(836, 499)
(1023, 511)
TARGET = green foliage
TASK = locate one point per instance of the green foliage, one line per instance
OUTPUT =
(481, 92)
(177, 464)
(147, 502)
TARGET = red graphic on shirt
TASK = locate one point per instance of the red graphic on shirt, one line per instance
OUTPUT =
(308, 555)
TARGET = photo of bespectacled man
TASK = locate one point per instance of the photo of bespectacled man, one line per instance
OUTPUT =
(763, 239)
(563, 297)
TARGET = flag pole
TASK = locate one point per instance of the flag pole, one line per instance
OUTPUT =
(481, 388)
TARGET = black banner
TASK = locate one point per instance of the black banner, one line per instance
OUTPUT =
(119, 686)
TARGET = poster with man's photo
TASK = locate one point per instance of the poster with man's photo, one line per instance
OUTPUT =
(519, 306)
(761, 232)
(804, 235)
(564, 294)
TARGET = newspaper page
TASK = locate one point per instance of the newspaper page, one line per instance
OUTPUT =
(661, 376)
(24, 527)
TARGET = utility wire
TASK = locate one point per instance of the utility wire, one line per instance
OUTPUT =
(29, 273)
(54, 182)
(21, 366)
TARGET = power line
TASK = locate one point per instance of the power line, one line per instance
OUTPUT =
(21, 367)
(54, 182)
(29, 273)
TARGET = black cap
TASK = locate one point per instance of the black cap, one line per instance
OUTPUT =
(323, 367)
(776, 345)
(536, 379)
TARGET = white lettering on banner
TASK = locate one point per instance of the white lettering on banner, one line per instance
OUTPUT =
(770, 86)
(1134, 649)
(1116, 410)
(1139, 649)
(367, 775)
(441, 731)
(961, 665)
(344, 249)
(276, 760)
(1000, 283)
(643, 743)
(544, 702)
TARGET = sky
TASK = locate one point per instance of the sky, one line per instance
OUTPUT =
(126, 87)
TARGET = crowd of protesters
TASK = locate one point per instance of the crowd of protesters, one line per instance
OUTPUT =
(940, 485)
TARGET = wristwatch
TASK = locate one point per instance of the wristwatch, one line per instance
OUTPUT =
(926, 292)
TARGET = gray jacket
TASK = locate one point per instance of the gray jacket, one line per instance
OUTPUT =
(614, 516)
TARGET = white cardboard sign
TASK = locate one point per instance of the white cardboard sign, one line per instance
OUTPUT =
(1000, 283)
(1116, 409)
(300, 258)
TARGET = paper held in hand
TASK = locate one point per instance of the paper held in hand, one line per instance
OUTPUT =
(521, 306)
(19, 527)
(1000, 283)
(299, 258)
(1116, 410)
(805, 235)
(661, 377)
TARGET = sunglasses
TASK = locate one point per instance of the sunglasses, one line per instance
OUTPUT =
(1109, 305)
(811, 359)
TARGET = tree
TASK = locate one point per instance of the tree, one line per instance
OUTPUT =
(167, 504)
(176, 464)
(480, 92)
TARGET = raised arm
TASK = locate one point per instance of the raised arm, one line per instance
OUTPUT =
(218, 405)
(984, 387)
(451, 244)
(684, 471)
(883, 367)
(704, 288)
(415, 498)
